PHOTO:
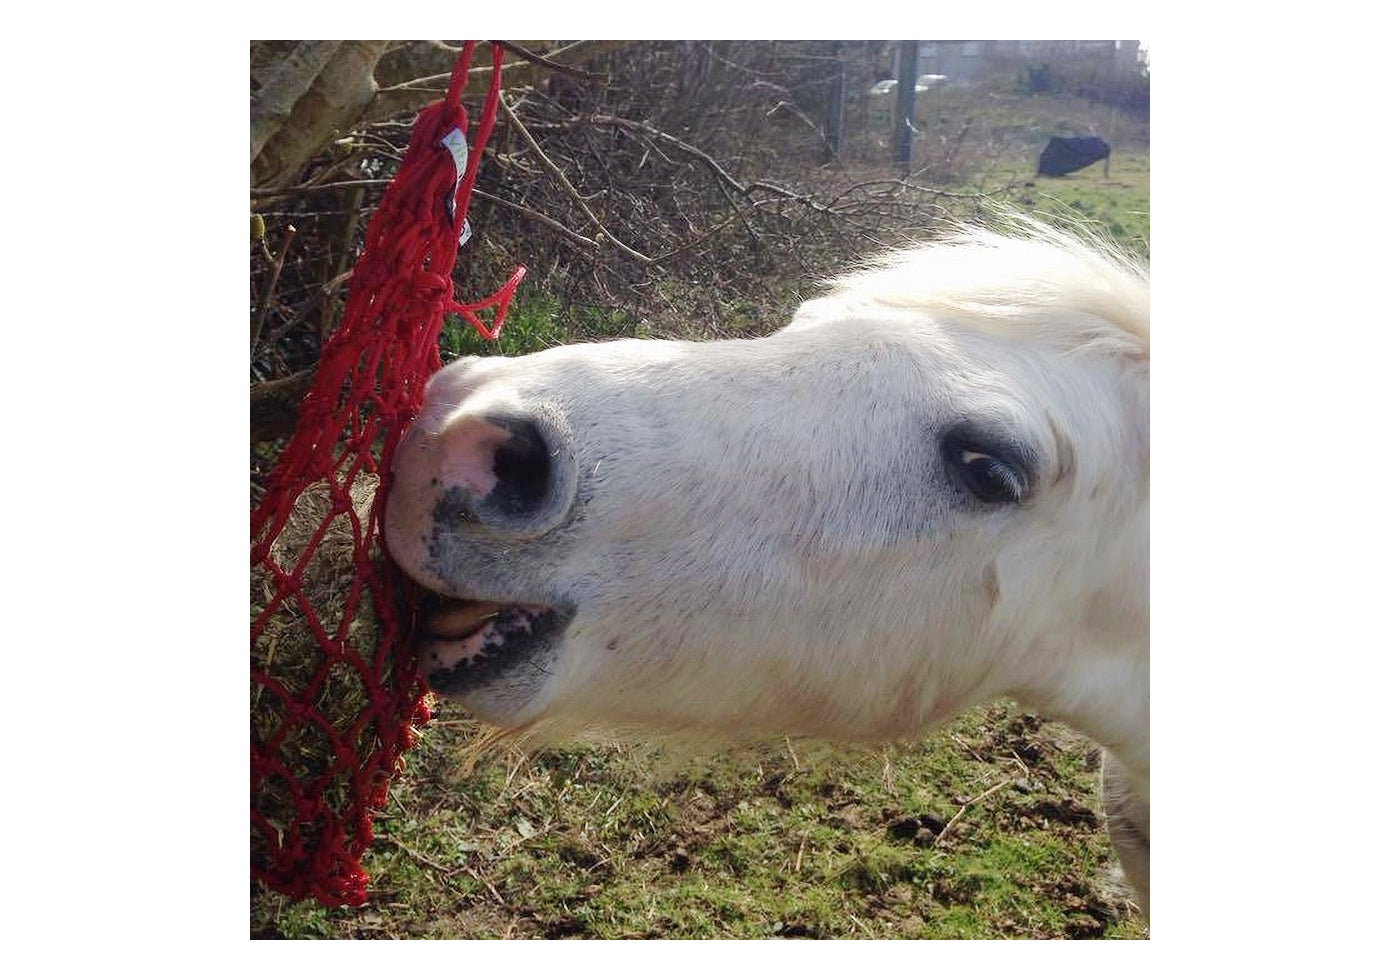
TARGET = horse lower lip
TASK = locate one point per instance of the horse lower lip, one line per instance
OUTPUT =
(518, 636)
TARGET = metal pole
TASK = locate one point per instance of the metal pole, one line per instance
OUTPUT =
(836, 106)
(904, 112)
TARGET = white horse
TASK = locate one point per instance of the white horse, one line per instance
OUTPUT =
(929, 490)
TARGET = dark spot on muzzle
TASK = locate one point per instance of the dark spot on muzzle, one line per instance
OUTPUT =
(455, 508)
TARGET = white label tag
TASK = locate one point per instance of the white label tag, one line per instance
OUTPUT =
(456, 143)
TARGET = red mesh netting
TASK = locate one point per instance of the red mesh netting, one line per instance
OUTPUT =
(334, 691)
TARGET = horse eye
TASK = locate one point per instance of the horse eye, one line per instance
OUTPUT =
(987, 477)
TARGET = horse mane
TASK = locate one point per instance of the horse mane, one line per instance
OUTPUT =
(1028, 281)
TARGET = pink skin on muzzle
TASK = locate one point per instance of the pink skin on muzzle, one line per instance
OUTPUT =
(425, 466)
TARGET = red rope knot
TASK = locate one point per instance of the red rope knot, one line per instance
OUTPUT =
(422, 712)
(433, 289)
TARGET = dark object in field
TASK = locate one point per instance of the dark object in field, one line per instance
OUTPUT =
(1066, 154)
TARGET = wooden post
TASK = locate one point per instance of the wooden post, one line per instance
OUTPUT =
(904, 111)
(836, 106)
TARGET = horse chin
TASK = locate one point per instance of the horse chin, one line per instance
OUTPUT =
(493, 657)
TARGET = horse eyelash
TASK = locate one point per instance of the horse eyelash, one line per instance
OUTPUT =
(1009, 475)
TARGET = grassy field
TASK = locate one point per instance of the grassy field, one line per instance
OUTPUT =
(1116, 204)
(992, 828)
(1000, 139)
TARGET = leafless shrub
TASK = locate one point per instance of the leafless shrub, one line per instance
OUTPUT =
(696, 185)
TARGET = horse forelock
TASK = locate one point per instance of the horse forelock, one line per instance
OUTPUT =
(1033, 282)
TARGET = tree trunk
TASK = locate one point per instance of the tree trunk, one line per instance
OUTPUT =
(303, 99)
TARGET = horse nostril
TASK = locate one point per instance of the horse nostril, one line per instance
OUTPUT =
(513, 473)
(522, 470)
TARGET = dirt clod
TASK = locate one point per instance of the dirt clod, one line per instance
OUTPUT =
(920, 829)
(1083, 927)
(1066, 811)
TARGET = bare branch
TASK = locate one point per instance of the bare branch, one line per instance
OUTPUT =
(563, 182)
(418, 92)
(271, 193)
(272, 282)
(720, 173)
(551, 64)
(583, 241)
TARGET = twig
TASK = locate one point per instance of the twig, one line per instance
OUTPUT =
(720, 173)
(864, 928)
(583, 241)
(691, 243)
(269, 193)
(969, 749)
(976, 799)
(1024, 768)
(484, 883)
(563, 182)
(422, 858)
(726, 182)
(725, 177)
(739, 213)
(435, 83)
(510, 776)
(802, 116)
(301, 312)
(272, 284)
(539, 59)
(792, 754)
(342, 253)
(732, 64)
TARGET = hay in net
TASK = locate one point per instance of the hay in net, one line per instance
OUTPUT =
(335, 692)
(312, 715)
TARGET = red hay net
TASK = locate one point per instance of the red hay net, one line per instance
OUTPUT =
(334, 693)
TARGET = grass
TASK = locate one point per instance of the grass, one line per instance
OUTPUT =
(538, 320)
(777, 839)
(992, 828)
(1116, 205)
(998, 137)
